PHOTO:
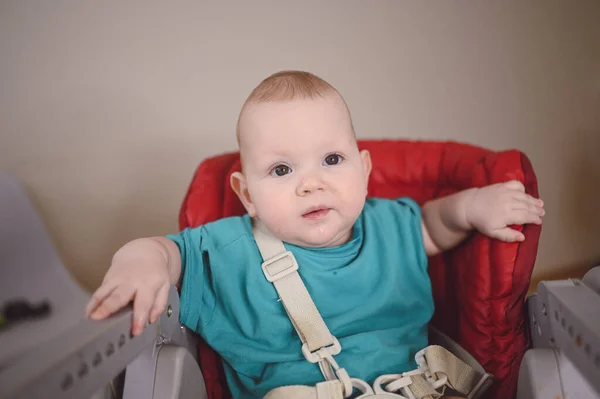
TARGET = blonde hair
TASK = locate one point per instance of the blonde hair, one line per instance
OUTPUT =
(289, 85)
(285, 86)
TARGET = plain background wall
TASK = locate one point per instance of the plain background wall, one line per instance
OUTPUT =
(106, 108)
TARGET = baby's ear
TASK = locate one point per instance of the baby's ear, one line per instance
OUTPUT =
(238, 184)
(366, 161)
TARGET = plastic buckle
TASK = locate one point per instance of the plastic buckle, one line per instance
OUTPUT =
(278, 258)
(316, 356)
(426, 372)
(421, 361)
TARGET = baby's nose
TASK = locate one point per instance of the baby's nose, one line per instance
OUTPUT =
(309, 184)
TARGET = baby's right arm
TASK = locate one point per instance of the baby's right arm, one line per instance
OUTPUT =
(143, 270)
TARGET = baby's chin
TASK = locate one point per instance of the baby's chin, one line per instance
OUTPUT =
(322, 240)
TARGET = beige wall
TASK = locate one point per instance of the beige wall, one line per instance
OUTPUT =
(105, 110)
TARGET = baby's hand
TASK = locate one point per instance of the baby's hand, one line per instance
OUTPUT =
(139, 272)
(493, 208)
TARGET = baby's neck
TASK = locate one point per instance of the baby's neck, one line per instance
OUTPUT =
(340, 239)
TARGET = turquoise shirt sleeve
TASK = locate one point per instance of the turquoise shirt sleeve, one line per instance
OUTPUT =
(413, 218)
(196, 303)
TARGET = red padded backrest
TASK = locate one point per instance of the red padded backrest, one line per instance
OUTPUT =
(479, 287)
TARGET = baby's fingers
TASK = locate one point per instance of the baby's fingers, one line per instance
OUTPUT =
(522, 197)
(528, 206)
(515, 185)
(144, 299)
(507, 234)
(97, 297)
(160, 303)
(523, 216)
(118, 298)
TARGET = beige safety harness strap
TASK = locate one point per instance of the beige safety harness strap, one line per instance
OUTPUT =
(281, 269)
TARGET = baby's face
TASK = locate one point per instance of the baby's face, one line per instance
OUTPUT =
(303, 175)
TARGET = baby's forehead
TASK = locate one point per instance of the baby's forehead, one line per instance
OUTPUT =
(294, 116)
(292, 127)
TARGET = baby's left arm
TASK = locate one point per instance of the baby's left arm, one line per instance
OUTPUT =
(490, 210)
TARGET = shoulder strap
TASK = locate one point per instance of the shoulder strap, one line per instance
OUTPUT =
(281, 268)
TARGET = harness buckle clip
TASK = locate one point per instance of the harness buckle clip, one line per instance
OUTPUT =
(318, 355)
(274, 271)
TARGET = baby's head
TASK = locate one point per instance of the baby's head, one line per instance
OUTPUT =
(302, 174)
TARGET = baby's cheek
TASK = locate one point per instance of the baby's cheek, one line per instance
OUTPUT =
(353, 193)
(354, 200)
(277, 207)
(265, 197)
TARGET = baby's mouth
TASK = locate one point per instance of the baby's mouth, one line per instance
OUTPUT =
(316, 213)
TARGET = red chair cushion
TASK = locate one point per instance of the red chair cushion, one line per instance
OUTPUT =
(479, 286)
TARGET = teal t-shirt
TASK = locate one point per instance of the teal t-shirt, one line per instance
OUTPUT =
(374, 294)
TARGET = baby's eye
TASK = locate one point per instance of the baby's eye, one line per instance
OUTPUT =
(281, 170)
(333, 159)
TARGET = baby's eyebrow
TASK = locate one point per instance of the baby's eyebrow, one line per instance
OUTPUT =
(266, 162)
(274, 155)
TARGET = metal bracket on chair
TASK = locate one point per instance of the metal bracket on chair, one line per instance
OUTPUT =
(565, 316)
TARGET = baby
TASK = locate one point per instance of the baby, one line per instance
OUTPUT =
(363, 261)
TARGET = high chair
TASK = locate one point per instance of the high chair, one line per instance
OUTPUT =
(479, 290)
(479, 287)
